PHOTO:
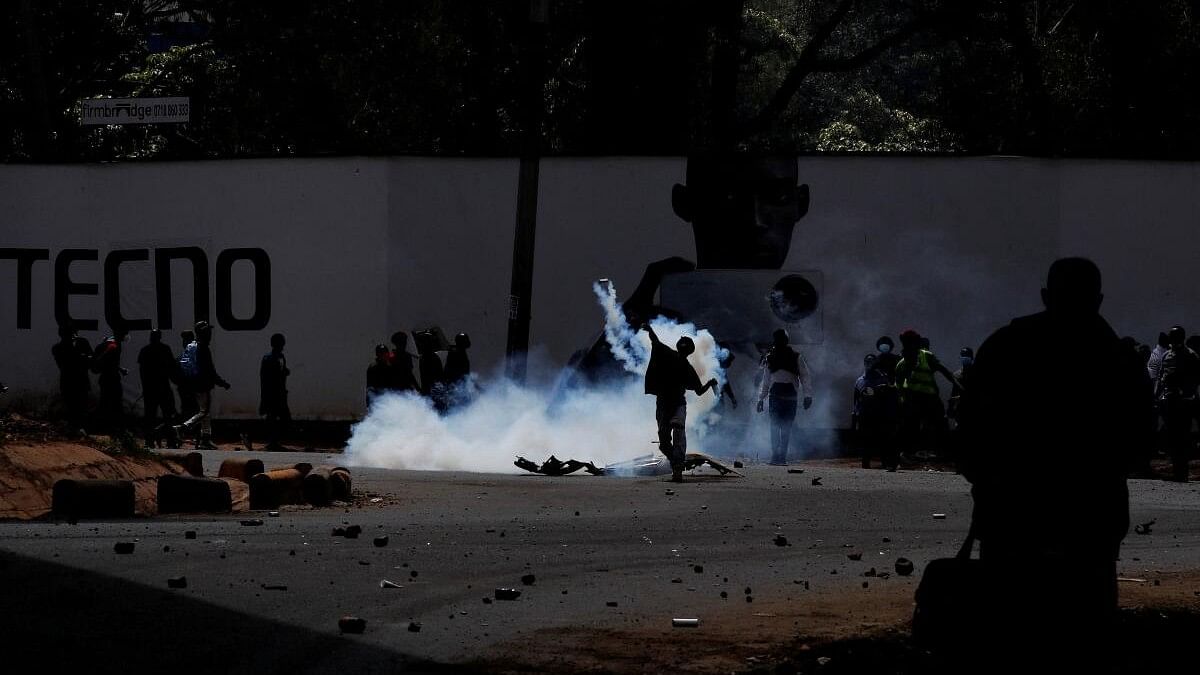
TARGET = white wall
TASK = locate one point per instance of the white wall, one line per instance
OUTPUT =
(362, 247)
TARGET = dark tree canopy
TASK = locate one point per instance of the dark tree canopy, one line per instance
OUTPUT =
(1114, 78)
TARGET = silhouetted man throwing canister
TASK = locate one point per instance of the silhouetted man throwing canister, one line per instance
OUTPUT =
(668, 376)
(1048, 466)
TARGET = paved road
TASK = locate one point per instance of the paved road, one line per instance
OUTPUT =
(455, 537)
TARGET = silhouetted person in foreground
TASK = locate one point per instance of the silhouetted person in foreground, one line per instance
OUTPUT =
(106, 361)
(785, 376)
(1175, 390)
(157, 367)
(668, 376)
(1047, 466)
(200, 374)
(273, 395)
(403, 378)
(73, 355)
(458, 363)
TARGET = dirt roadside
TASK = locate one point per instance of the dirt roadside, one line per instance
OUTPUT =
(861, 629)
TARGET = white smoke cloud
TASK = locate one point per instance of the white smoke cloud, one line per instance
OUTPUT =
(602, 424)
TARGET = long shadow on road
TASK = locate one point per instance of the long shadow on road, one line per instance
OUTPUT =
(67, 620)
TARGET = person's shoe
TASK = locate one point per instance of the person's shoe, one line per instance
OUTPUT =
(677, 476)
(205, 443)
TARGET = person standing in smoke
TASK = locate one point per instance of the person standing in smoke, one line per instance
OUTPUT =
(272, 401)
(73, 356)
(201, 376)
(922, 416)
(402, 378)
(106, 361)
(187, 397)
(875, 410)
(785, 376)
(380, 374)
(156, 367)
(458, 370)
(668, 376)
(433, 373)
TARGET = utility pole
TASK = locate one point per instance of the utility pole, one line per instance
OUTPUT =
(521, 291)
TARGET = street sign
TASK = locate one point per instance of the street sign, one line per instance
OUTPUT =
(98, 111)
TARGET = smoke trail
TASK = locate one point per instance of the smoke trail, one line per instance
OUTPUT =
(603, 424)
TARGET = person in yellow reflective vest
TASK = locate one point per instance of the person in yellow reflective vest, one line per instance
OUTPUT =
(922, 417)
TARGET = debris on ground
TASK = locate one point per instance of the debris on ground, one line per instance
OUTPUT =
(389, 584)
(817, 481)
(381, 541)
(904, 567)
(253, 522)
(528, 579)
(737, 464)
(939, 516)
(352, 624)
(1144, 528)
(123, 547)
(177, 582)
(658, 465)
(854, 556)
(795, 470)
(556, 467)
(507, 594)
(414, 627)
(781, 540)
(274, 587)
(685, 623)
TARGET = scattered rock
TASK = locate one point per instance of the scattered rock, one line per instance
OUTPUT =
(611, 603)
(866, 583)
(817, 481)
(823, 660)
(698, 569)
(528, 579)
(781, 540)
(725, 594)
(274, 587)
(487, 601)
(904, 567)
(685, 623)
(795, 470)
(253, 522)
(507, 594)
(677, 580)
(414, 627)
(353, 531)
(854, 556)
(166, 549)
(939, 516)
(338, 532)
(887, 540)
(748, 591)
(749, 598)
(123, 547)
(381, 542)
(870, 573)
(1144, 528)
(190, 534)
(273, 514)
(177, 582)
(670, 492)
(352, 624)
(737, 464)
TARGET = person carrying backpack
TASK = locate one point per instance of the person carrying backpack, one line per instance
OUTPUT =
(200, 376)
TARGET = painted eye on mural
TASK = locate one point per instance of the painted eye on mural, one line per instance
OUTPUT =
(793, 298)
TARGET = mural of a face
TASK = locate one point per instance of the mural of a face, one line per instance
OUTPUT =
(742, 209)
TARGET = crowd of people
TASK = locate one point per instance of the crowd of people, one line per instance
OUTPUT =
(192, 376)
(898, 409)
(446, 384)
